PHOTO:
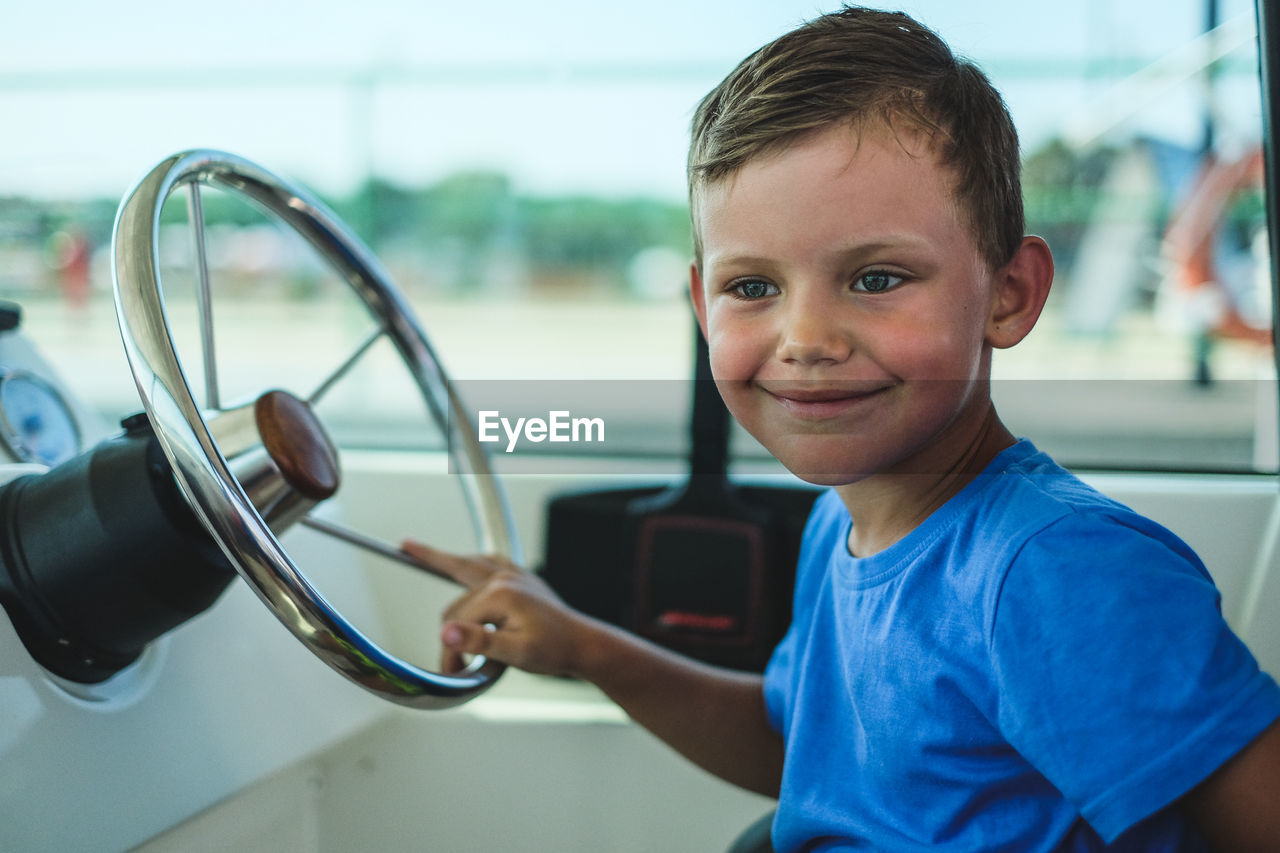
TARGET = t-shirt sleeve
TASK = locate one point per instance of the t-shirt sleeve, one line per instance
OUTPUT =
(777, 680)
(1119, 680)
(823, 530)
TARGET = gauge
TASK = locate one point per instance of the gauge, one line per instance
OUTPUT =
(36, 424)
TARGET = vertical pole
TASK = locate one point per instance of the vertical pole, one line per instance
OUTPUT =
(1203, 344)
(1268, 68)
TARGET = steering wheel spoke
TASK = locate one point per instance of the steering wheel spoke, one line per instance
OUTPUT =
(341, 370)
(368, 543)
(204, 296)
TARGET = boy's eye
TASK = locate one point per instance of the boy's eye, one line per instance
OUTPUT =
(753, 289)
(877, 281)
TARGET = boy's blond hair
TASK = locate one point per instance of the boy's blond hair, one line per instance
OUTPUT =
(858, 65)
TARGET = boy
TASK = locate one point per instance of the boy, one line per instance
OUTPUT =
(985, 653)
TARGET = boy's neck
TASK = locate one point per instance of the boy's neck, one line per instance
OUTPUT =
(887, 506)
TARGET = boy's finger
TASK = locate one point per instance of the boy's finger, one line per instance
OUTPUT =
(474, 607)
(463, 570)
(467, 638)
(451, 661)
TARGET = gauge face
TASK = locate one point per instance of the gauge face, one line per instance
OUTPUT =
(36, 424)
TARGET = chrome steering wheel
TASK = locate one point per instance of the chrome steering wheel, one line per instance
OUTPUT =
(249, 471)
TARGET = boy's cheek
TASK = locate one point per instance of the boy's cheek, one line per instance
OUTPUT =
(729, 365)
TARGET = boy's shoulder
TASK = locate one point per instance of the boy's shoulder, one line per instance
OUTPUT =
(1022, 498)
(1025, 485)
(1026, 496)
(1022, 487)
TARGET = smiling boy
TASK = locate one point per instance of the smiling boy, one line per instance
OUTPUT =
(850, 317)
(985, 653)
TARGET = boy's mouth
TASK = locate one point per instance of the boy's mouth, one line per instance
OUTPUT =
(816, 402)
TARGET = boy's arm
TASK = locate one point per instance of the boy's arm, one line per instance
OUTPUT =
(1235, 808)
(714, 717)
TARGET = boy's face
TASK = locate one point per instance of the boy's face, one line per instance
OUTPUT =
(845, 304)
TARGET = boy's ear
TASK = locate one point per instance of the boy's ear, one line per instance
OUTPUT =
(1019, 291)
(698, 297)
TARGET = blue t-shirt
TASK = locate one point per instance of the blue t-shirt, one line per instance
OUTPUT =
(1035, 667)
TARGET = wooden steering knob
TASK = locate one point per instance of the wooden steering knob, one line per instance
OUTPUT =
(298, 444)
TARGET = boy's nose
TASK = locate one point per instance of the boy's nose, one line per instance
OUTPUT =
(813, 333)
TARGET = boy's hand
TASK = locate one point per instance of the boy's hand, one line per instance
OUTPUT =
(714, 717)
(506, 614)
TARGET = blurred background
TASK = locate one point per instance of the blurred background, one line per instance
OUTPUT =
(520, 171)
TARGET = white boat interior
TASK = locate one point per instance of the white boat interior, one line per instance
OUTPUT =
(290, 701)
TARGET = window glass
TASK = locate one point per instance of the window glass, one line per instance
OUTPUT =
(520, 173)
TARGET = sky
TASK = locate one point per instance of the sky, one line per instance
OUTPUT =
(563, 95)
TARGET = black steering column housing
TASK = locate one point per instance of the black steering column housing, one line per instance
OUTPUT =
(102, 555)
